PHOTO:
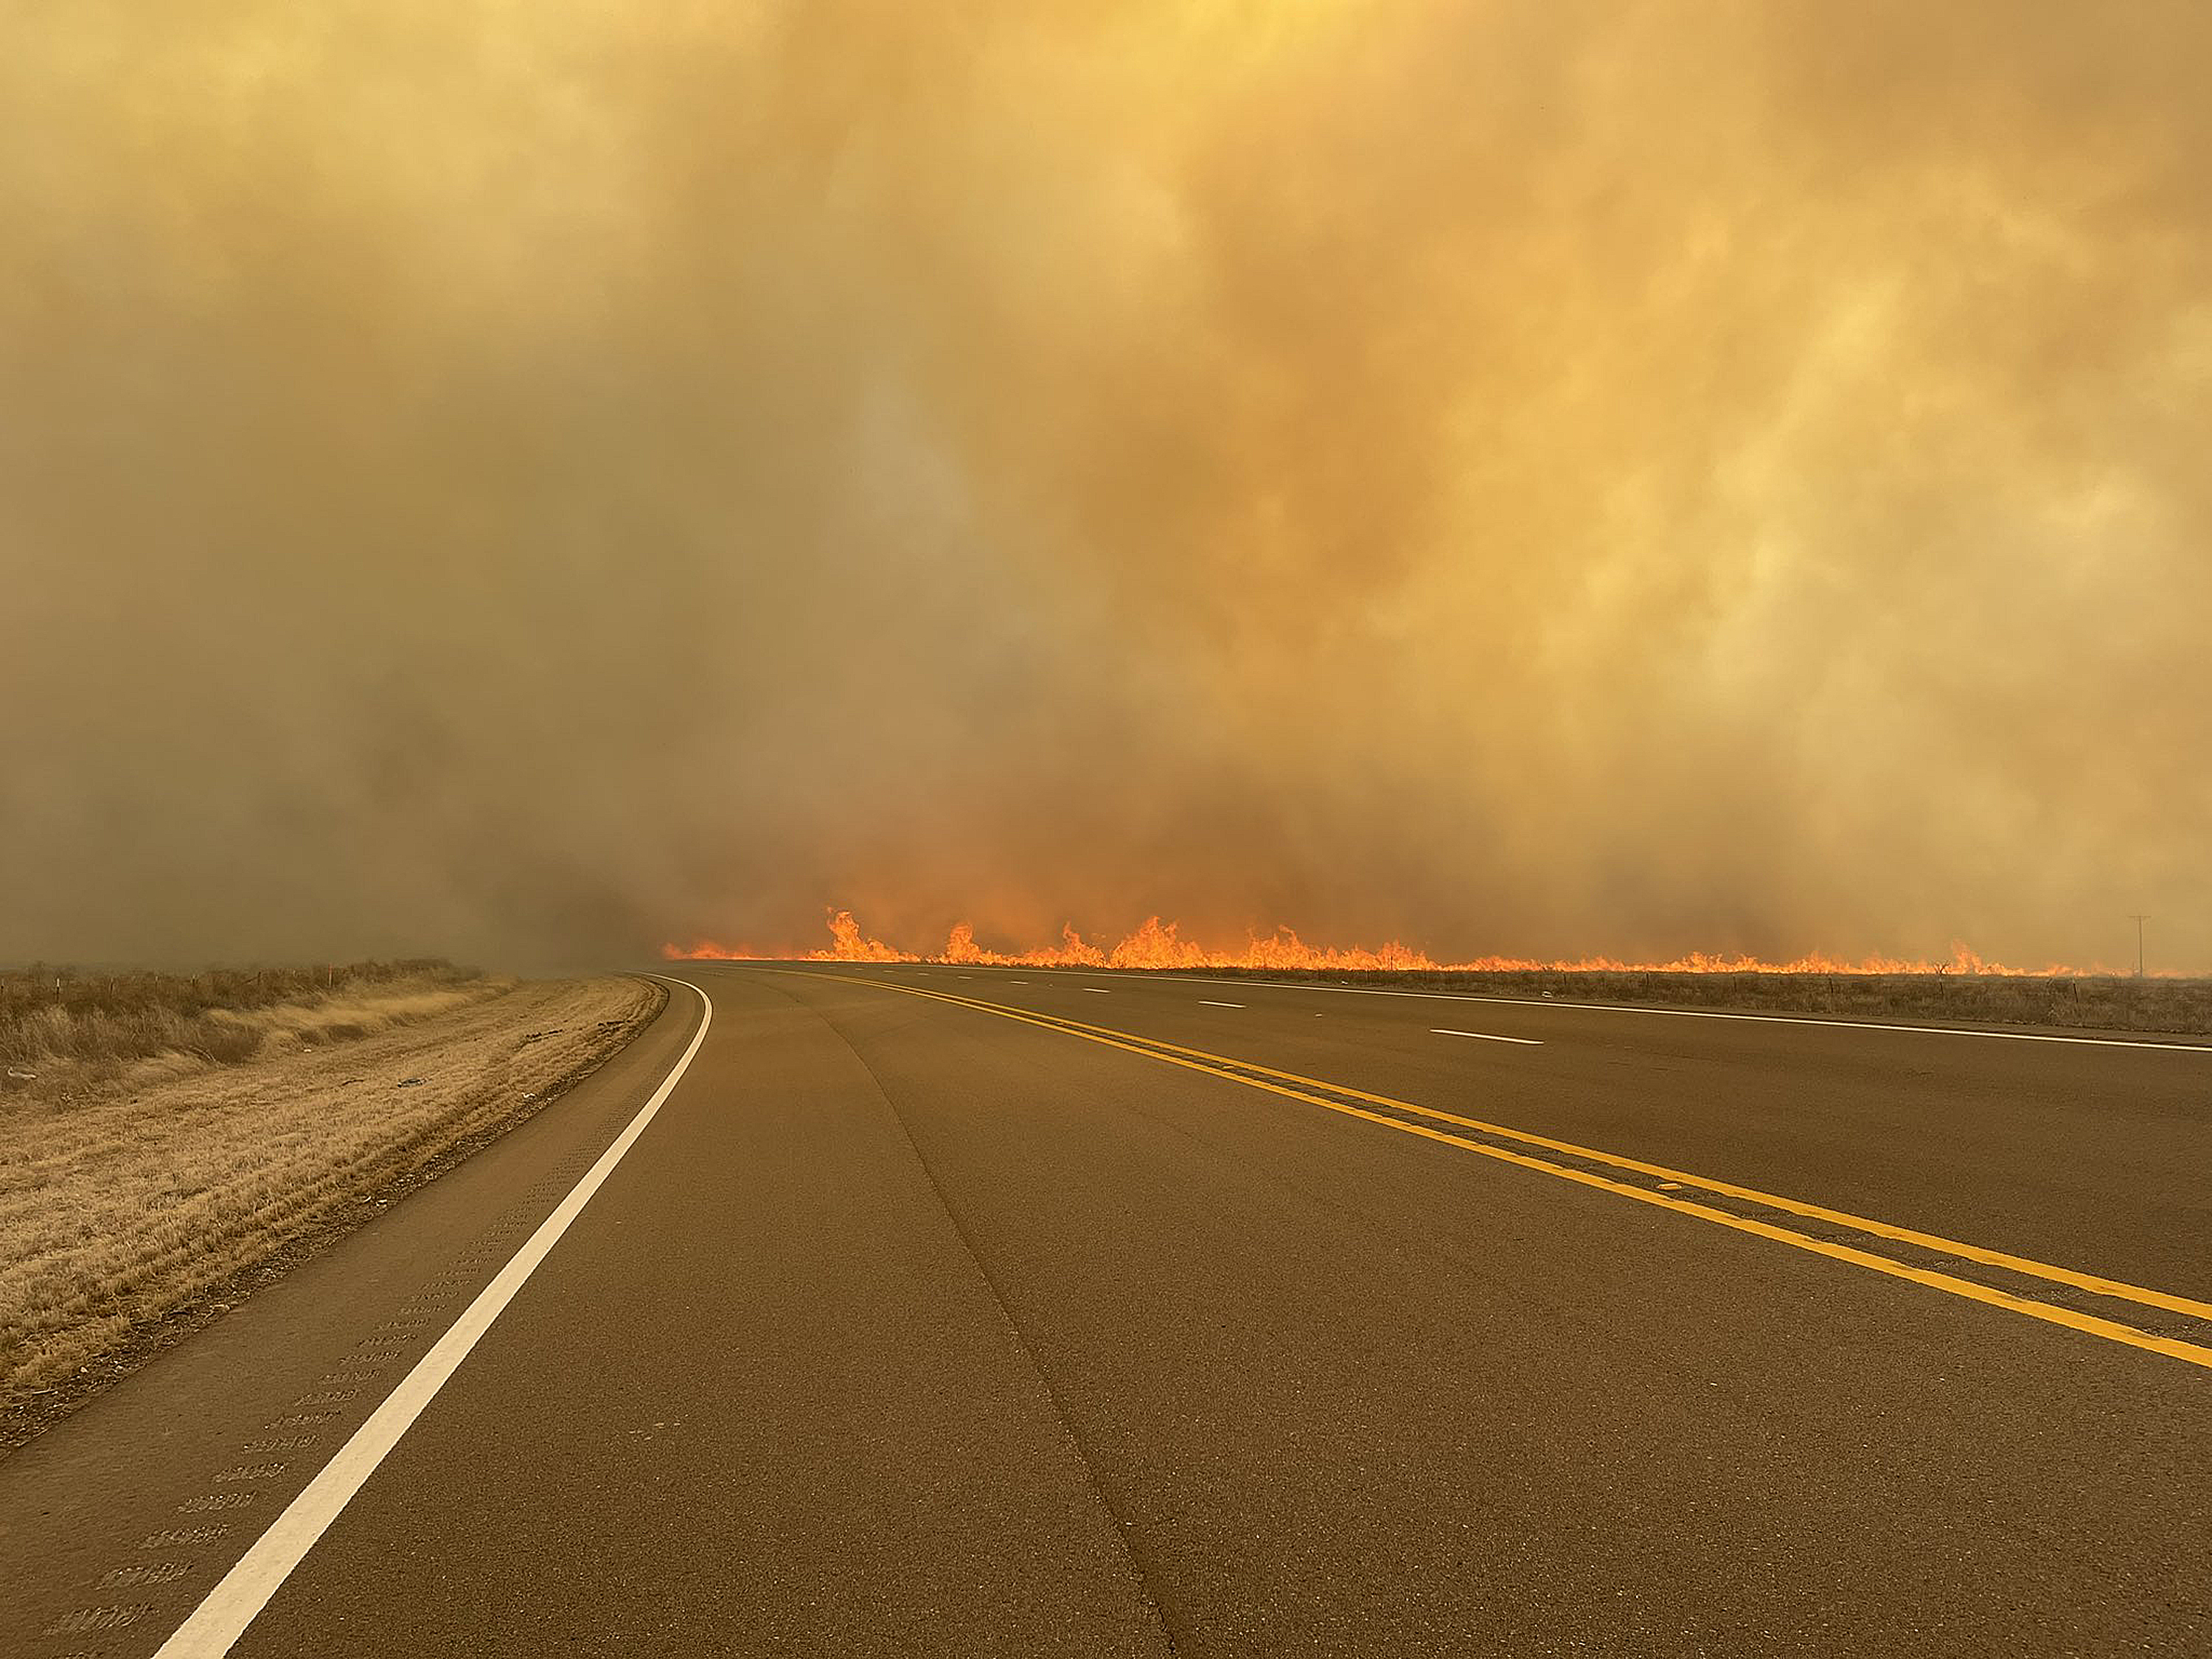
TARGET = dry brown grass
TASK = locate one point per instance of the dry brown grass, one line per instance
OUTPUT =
(2095, 1003)
(66, 1031)
(119, 1206)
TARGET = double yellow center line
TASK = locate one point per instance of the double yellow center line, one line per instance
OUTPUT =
(1623, 1175)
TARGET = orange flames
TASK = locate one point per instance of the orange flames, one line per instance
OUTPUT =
(1161, 944)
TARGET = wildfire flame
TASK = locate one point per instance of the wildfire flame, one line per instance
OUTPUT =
(1162, 945)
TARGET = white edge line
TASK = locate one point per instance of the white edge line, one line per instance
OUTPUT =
(1675, 1013)
(237, 1600)
(1487, 1036)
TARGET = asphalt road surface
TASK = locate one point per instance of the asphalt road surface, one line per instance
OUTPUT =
(944, 1311)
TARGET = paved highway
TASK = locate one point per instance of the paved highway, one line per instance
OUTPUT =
(973, 1311)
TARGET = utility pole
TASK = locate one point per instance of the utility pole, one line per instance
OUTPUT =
(2139, 918)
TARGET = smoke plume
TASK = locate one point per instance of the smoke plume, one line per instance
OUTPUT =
(535, 480)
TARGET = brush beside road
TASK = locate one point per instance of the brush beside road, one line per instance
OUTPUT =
(904, 1310)
(143, 1186)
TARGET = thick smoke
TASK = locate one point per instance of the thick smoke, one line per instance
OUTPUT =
(532, 480)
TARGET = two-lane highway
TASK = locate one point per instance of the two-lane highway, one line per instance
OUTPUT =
(1017, 1311)
(2043, 1142)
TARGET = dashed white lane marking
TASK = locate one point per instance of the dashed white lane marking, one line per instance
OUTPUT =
(1098, 990)
(233, 1604)
(1679, 1013)
(1208, 1002)
(1487, 1036)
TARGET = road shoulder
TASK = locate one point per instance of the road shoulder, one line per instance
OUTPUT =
(120, 1517)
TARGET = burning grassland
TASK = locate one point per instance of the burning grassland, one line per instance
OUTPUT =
(1962, 987)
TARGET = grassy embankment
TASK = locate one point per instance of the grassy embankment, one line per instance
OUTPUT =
(2097, 1002)
(162, 1137)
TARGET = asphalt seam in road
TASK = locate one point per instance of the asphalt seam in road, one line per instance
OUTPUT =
(1146, 1577)
(2138, 1334)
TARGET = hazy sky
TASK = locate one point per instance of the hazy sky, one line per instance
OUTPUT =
(531, 478)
